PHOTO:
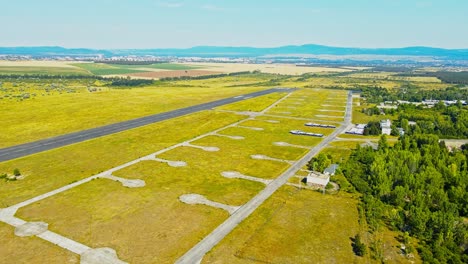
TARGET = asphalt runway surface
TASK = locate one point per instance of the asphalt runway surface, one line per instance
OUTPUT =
(26, 149)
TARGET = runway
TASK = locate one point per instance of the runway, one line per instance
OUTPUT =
(26, 149)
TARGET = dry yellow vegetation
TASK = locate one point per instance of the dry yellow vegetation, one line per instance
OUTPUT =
(38, 63)
(287, 69)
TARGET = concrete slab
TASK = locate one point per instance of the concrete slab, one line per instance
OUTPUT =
(171, 163)
(135, 183)
(100, 256)
(252, 128)
(238, 175)
(31, 229)
(209, 149)
(272, 121)
(229, 136)
(200, 199)
(286, 144)
(264, 157)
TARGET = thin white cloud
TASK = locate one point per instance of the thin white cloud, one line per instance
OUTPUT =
(212, 7)
(171, 4)
(424, 4)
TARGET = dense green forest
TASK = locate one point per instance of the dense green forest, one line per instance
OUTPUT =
(419, 188)
(441, 120)
(411, 93)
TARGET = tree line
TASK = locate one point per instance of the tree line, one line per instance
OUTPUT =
(411, 93)
(418, 187)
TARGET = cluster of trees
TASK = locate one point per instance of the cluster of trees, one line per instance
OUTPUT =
(373, 128)
(414, 94)
(419, 187)
(319, 162)
(203, 77)
(371, 111)
(376, 94)
(445, 76)
(411, 93)
(130, 82)
(444, 121)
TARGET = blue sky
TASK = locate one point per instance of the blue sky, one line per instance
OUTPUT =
(260, 23)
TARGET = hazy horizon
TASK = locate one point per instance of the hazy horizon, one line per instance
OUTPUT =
(123, 24)
(130, 48)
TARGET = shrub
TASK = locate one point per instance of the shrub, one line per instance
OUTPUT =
(358, 246)
(16, 172)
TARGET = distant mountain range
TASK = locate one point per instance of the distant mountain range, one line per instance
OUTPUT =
(214, 51)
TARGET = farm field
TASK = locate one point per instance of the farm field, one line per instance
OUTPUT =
(172, 74)
(172, 70)
(39, 67)
(121, 69)
(102, 213)
(41, 70)
(287, 69)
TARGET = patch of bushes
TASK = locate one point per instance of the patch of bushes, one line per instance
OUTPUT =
(359, 247)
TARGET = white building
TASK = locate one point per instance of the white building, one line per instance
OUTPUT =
(386, 126)
(318, 179)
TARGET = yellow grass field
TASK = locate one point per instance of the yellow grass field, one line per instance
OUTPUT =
(294, 226)
(46, 116)
(49, 170)
(16, 249)
(98, 210)
(287, 69)
(32, 63)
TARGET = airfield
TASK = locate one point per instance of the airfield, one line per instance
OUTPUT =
(186, 171)
(180, 200)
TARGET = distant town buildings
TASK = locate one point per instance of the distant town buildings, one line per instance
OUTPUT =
(426, 103)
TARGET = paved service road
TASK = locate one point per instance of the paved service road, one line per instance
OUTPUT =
(196, 254)
(67, 139)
